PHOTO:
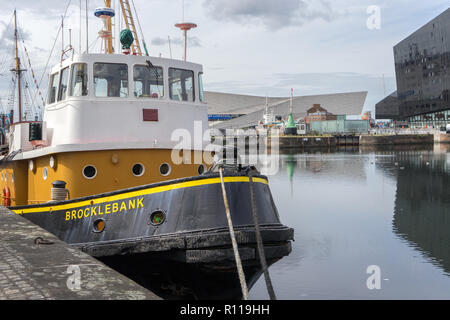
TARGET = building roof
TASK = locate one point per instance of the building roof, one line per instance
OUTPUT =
(388, 107)
(424, 29)
(340, 104)
(316, 108)
(228, 103)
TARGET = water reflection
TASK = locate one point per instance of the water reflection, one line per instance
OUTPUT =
(180, 281)
(422, 205)
(356, 207)
(290, 164)
(344, 164)
(351, 208)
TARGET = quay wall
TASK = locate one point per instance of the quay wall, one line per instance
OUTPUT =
(367, 140)
(291, 142)
(35, 265)
(442, 138)
(303, 141)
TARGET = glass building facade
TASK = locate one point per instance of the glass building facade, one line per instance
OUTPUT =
(433, 119)
(422, 67)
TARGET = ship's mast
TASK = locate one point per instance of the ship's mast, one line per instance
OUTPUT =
(106, 14)
(185, 27)
(17, 70)
(109, 44)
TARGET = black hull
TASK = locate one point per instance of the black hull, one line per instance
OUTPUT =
(195, 229)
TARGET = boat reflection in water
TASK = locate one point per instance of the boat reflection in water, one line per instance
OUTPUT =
(422, 206)
(177, 280)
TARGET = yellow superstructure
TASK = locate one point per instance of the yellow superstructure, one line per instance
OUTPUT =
(30, 181)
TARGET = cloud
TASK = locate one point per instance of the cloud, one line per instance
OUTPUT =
(272, 14)
(7, 36)
(49, 8)
(192, 41)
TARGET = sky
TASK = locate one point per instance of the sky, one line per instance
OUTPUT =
(256, 47)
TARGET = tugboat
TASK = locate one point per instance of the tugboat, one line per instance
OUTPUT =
(101, 172)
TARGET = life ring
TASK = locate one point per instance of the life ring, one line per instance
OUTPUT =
(6, 197)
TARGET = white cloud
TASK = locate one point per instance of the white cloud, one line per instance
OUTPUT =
(272, 14)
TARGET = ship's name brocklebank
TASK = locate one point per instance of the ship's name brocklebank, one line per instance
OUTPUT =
(115, 207)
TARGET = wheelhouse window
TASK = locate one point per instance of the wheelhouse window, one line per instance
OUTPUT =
(148, 82)
(200, 87)
(79, 83)
(63, 85)
(181, 84)
(54, 80)
(111, 80)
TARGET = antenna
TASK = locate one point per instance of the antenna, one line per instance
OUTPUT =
(64, 51)
(267, 104)
(79, 40)
(18, 71)
(170, 47)
(62, 38)
(185, 27)
(87, 28)
(182, 10)
(70, 38)
(292, 98)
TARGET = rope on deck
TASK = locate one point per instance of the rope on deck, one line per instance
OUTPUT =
(262, 256)
(233, 240)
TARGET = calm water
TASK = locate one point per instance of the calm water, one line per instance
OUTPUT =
(353, 209)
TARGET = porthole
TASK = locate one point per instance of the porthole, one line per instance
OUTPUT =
(115, 159)
(52, 162)
(157, 218)
(138, 170)
(164, 169)
(201, 169)
(31, 165)
(45, 173)
(89, 172)
(99, 225)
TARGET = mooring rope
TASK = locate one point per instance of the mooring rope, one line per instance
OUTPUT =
(233, 240)
(262, 256)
